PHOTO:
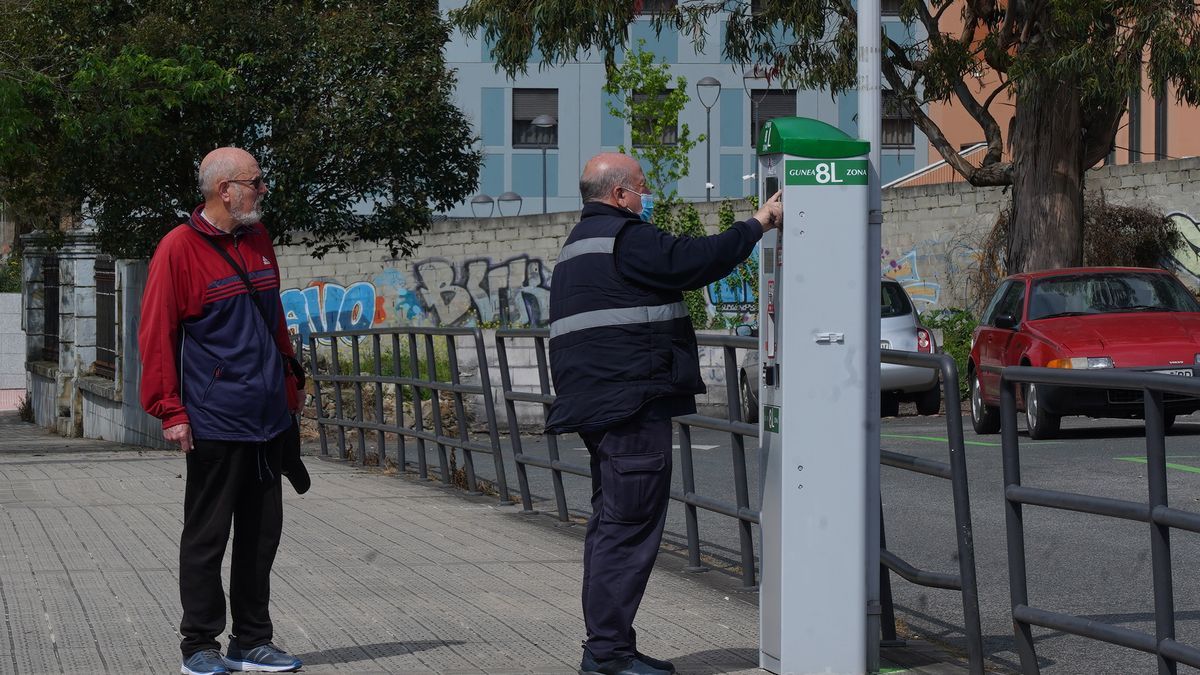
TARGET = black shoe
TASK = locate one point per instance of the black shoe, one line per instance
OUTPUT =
(623, 665)
(656, 663)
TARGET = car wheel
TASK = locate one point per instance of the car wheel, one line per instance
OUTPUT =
(889, 405)
(749, 403)
(984, 418)
(1040, 423)
(929, 402)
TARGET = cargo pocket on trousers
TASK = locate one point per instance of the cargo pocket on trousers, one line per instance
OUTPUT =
(634, 493)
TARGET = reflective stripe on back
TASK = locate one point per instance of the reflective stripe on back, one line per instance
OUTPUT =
(585, 246)
(617, 317)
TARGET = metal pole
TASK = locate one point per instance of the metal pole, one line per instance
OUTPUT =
(544, 180)
(1160, 534)
(870, 126)
(708, 153)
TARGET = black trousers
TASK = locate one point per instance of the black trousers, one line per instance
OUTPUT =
(631, 487)
(229, 483)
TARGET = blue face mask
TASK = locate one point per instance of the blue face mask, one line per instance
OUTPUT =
(647, 208)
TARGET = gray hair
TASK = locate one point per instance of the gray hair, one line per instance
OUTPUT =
(595, 185)
(217, 169)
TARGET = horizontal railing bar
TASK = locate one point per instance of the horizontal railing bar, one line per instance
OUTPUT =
(557, 465)
(918, 576)
(1177, 518)
(406, 381)
(406, 330)
(718, 424)
(1110, 378)
(1075, 625)
(407, 432)
(1070, 501)
(1180, 652)
(716, 506)
(528, 397)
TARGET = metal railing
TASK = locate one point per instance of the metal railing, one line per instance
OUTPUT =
(412, 370)
(1156, 512)
(692, 501)
(50, 308)
(955, 471)
(106, 317)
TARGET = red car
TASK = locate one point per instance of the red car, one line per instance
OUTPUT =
(1088, 317)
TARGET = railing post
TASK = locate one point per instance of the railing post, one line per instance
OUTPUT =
(398, 392)
(359, 415)
(689, 489)
(414, 370)
(514, 427)
(336, 366)
(318, 405)
(460, 412)
(1160, 534)
(1018, 584)
(489, 407)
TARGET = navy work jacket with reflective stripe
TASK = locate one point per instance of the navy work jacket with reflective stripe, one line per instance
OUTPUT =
(620, 334)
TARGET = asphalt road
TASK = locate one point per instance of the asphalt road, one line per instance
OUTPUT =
(1087, 565)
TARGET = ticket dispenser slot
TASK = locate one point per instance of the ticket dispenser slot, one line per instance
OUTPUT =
(812, 597)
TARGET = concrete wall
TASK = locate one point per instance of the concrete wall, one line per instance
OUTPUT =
(932, 234)
(12, 342)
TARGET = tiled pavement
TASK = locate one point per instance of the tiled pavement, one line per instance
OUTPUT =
(374, 574)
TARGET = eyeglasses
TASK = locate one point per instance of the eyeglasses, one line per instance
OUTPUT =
(257, 182)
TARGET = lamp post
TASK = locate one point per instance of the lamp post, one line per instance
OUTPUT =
(756, 73)
(544, 122)
(478, 201)
(507, 198)
(708, 85)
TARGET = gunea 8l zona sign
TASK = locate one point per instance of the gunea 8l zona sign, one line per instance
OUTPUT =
(825, 172)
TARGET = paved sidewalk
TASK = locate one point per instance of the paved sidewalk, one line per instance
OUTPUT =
(374, 574)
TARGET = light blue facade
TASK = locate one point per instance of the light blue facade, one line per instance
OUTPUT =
(585, 127)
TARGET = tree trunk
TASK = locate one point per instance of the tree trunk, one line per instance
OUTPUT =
(1046, 228)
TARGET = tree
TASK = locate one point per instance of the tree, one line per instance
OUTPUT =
(1069, 67)
(651, 106)
(107, 107)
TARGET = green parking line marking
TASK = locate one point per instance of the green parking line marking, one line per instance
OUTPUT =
(892, 670)
(1170, 465)
(942, 439)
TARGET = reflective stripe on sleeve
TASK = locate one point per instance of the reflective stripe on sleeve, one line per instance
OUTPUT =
(585, 246)
(617, 317)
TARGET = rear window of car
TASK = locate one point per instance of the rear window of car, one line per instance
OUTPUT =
(1109, 293)
(894, 301)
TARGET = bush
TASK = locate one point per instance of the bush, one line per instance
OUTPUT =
(10, 274)
(956, 326)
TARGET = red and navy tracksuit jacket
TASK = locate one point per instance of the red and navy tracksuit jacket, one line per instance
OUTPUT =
(207, 356)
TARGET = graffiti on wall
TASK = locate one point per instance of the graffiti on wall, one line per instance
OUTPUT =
(1186, 258)
(906, 270)
(515, 292)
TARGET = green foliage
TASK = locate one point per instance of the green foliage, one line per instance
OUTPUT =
(744, 276)
(10, 274)
(107, 108)
(652, 107)
(956, 326)
(387, 366)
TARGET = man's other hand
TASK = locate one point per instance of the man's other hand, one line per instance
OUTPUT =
(181, 434)
(770, 214)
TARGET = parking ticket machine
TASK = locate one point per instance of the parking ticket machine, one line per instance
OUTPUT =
(813, 330)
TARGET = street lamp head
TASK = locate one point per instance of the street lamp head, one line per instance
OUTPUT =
(708, 86)
(478, 202)
(544, 121)
(508, 198)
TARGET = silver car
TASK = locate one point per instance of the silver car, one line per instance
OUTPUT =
(899, 328)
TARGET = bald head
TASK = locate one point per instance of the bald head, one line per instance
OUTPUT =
(224, 164)
(607, 171)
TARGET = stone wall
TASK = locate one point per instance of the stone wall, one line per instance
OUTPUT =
(12, 343)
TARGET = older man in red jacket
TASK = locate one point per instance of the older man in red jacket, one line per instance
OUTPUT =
(214, 352)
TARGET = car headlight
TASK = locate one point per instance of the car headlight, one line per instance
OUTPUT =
(1084, 362)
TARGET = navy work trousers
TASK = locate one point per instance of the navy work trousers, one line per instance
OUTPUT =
(229, 483)
(631, 487)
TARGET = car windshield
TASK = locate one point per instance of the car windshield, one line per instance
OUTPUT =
(1108, 293)
(894, 301)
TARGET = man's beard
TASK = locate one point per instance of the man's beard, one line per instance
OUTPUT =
(246, 217)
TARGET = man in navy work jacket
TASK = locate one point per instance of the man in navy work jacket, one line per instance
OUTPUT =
(213, 372)
(624, 361)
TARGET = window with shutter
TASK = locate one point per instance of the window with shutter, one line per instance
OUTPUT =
(526, 105)
(897, 123)
(670, 135)
(767, 104)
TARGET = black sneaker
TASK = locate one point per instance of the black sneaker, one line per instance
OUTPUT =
(264, 658)
(207, 662)
(624, 665)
